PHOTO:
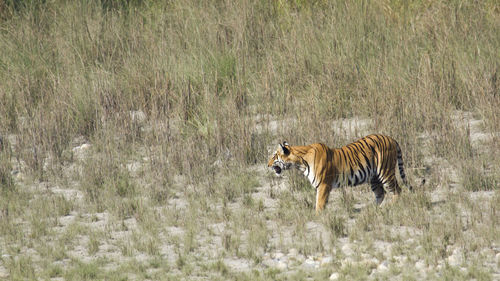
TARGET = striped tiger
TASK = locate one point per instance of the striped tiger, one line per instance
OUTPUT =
(372, 159)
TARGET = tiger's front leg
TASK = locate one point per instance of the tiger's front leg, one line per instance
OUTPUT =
(322, 193)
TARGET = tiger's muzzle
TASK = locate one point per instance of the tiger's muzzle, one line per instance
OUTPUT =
(277, 170)
(279, 166)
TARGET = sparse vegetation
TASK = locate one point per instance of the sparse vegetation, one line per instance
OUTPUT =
(134, 137)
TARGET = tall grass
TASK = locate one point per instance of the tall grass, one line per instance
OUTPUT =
(201, 70)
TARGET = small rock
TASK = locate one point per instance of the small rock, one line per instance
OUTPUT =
(384, 266)
(4, 273)
(278, 255)
(138, 116)
(497, 258)
(334, 276)
(84, 146)
(81, 150)
(346, 262)
(387, 253)
(401, 260)
(293, 252)
(347, 250)
(133, 167)
(236, 264)
(456, 258)
(487, 252)
(326, 261)
(269, 263)
(371, 262)
(365, 256)
(299, 258)
(217, 163)
(420, 265)
(284, 259)
(310, 263)
(282, 265)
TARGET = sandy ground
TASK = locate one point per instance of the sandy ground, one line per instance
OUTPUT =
(337, 255)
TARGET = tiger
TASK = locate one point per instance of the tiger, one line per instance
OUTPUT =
(371, 159)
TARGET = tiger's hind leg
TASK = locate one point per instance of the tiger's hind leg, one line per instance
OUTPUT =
(392, 186)
(378, 189)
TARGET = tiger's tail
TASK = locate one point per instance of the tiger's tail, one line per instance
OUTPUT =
(401, 168)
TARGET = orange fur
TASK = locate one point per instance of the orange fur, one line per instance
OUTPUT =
(371, 159)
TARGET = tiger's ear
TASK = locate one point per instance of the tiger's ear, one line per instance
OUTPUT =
(284, 148)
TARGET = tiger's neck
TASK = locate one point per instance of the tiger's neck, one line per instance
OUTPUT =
(317, 165)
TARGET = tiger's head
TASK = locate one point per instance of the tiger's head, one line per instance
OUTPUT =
(283, 159)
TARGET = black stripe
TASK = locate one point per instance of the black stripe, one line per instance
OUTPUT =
(352, 172)
(307, 166)
(343, 155)
(363, 141)
(367, 161)
(309, 171)
(362, 175)
(355, 153)
(346, 153)
(351, 161)
(355, 180)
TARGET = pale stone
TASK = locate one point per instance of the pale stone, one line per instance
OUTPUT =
(334, 276)
(137, 116)
(347, 250)
(300, 258)
(346, 261)
(282, 265)
(310, 263)
(133, 167)
(401, 260)
(369, 262)
(420, 265)
(384, 266)
(81, 151)
(269, 263)
(278, 255)
(487, 252)
(326, 261)
(456, 258)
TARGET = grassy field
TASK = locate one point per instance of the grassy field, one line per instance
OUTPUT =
(135, 137)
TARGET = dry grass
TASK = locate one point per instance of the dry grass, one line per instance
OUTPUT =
(135, 134)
